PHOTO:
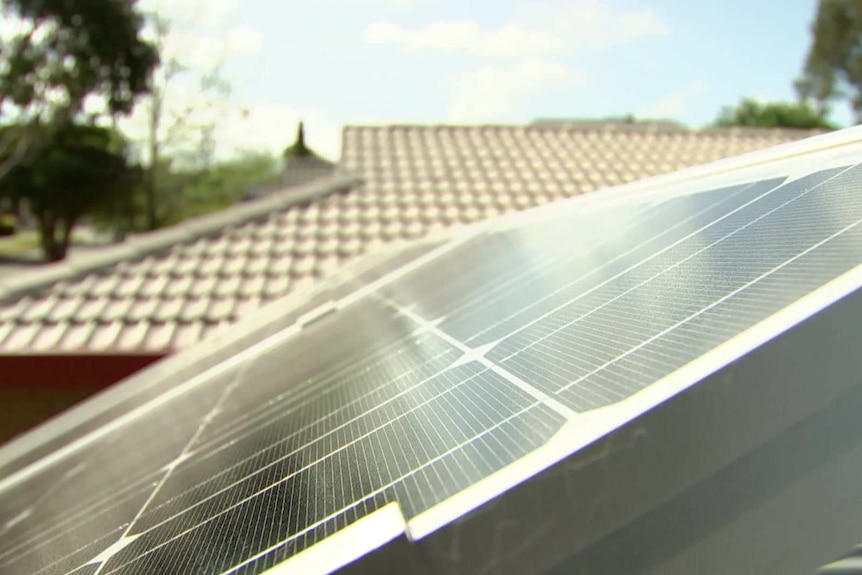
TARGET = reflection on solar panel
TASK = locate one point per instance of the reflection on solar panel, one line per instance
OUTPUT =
(588, 367)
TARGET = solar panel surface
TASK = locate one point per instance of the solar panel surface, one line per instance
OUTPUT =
(419, 382)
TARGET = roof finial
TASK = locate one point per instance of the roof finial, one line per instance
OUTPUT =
(298, 148)
(300, 136)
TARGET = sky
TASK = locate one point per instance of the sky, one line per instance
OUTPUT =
(336, 62)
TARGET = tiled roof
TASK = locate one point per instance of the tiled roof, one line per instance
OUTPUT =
(166, 294)
(301, 170)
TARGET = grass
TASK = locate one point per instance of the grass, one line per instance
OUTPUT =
(20, 244)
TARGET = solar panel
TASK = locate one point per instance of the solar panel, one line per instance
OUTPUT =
(527, 393)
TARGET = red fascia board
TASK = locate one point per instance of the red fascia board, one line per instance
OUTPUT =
(63, 370)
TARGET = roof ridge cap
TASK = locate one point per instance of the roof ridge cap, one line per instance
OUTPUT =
(757, 130)
(598, 126)
(140, 245)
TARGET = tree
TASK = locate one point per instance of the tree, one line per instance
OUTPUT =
(81, 168)
(833, 66)
(171, 128)
(64, 55)
(200, 190)
(752, 113)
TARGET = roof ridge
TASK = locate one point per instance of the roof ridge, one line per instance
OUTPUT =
(140, 245)
(589, 125)
(759, 131)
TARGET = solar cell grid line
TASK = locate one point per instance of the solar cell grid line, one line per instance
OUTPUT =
(101, 440)
(33, 496)
(531, 304)
(152, 393)
(702, 221)
(668, 224)
(525, 424)
(652, 268)
(306, 373)
(769, 185)
(127, 537)
(714, 304)
(61, 527)
(12, 539)
(200, 498)
(381, 447)
(36, 490)
(550, 259)
(681, 298)
(286, 437)
(717, 324)
(492, 253)
(100, 467)
(230, 428)
(478, 354)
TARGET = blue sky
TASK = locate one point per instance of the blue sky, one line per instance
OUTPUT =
(499, 61)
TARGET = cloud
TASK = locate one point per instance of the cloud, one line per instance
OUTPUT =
(243, 40)
(201, 32)
(465, 37)
(202, 35)
(238, 126)
(493, 93)
(523, 55)
(675, 104)
(592, 24)
(538, 29)
(203, 13)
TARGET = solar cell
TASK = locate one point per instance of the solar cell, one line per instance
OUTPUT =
(442, 377)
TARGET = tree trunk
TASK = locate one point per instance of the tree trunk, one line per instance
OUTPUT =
(53, 248)
(150, 198)
(47, 228)
(151, 185)
(65, 239)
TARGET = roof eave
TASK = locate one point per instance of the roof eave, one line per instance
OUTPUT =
(15, 285)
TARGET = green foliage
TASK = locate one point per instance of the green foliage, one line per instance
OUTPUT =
(82, 169)
(8, 224)
(76, 49)
(752, 113)
(833, 66)
(189, 192)
(194, 192)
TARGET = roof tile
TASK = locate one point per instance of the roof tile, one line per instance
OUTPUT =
(105, 335)
(221, 309)
(117, 309)
(187, 334)
(76, 336)
(64, 310)
(132, 336)
(160, 336)
(251, 286)
(193, 310)
(48, 337)
(22, 336)
(142, 309)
